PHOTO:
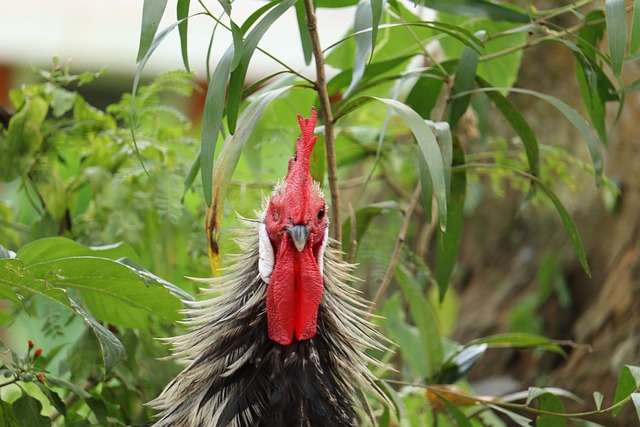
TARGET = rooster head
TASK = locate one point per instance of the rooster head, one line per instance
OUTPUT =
(293, 236)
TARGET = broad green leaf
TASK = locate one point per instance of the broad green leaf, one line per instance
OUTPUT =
(51, 248)
(212, 120)
(463, 82)
(27, 410)
(628, 383)
(616, 16)
(113, 292)
(182, 12)
(588, 133)
(226, 164)
(151, 15)
(477, 9)
(551, 403)
(597, 398)
(519, 125)
(305, 38)
(536, 392)
(151, 279)
(7, 417)
(53, 397)
(237, 80)
(424, 319)
(518, 340)
(429, 149)
(364, 216)
(425, 93)
(449, 241)
(634, 44)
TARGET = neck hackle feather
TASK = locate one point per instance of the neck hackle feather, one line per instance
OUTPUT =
(236, 375)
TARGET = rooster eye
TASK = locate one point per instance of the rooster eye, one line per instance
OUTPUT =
(321, 214)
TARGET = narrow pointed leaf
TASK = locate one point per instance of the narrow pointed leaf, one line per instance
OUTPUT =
(518, 340)
(634, 44)
(588, 133)
(463, 82)
(617, 31)
(182, 12)
(212, 120)
(238, 41)
(516, 418)
(305, 38)
(449, 241)
(635, 398)
(477, 9)
(597, 398)
(519, 125)
(361, 27)
(226, 164)
(237, 80)
(191, 175)
(376, 15)
(426, 186)
(152, 12)
(226, 6)
(430, 151)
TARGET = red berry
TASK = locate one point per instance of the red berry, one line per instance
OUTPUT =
(30, 344)
(37, 353)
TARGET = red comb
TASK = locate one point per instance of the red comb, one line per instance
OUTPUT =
(305, 144)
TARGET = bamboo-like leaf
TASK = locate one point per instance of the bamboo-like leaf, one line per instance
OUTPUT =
(152, 12)
(226, 6)
(449, 241)
(182, 12)
(588, 133)
(364, 216)
(635, 398)
(628, 383)
(425, 320)
(191, 175)
(634, 44)
(597, 398)
(238, 42)
(463, 82)
(426, 186)
(516, 418)
(536, 392)
(237, 80)
(363, 34)
(519, 125)
(305, 38)
(430, 151)
(616, 16)
(477, 9)
(518, 340)
(212, 120)
(226, 164)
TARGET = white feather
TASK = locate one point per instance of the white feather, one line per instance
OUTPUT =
(266, 256)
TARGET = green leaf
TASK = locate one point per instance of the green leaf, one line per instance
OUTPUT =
(238, 42)
(634, 44)
(463, 82)
(361, 26)
(27, 411)
(191, 175)
(449, 241)
(588, 133)
(151, 15)
(53, 397)
(616, 16)
(424, 319)
(305, 38)
(458, 415)
(477, 9)
(519, 125)
(394, 398)
(182, 12)
(226, 6)
(429, 149)
(237, 80)
(212, 120)
(628, 383)
(51, 248)
(425, 93)
(518, 340)
(516, 418)
(426, 186)
(551, 403)
(7, 416)
(364, 216)
(335, 3)
(536, 392)
(376, 16)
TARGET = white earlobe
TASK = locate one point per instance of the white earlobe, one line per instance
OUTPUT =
(265, 253)
(325, 240)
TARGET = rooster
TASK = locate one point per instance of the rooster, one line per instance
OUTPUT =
(283, 342)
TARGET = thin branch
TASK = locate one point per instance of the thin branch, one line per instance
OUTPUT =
(395, 258)
(325, 105)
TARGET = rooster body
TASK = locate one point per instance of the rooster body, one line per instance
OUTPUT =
(283, 342)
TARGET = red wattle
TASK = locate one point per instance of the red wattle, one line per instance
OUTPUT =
(293, 295)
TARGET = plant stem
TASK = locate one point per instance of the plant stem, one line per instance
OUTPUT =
(325, 105)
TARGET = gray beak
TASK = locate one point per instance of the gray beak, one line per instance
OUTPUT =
(299, 234)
